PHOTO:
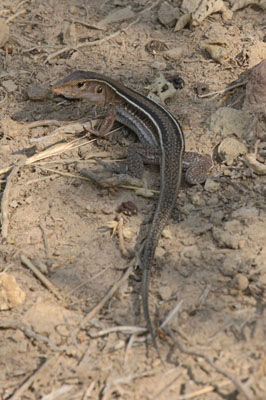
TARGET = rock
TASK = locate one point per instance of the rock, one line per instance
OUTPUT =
(176, 53)
(45, 316)
(165, 292)
(11, 295)
(9, 85)
(246, 214)
(39, 92)
(4, 32)
(230, 149)
(216, 217)
(234, 262)
(240, 282)
(211, 186)
(159, 65)
(255, 99)
(231, 236)
(197, 200)
(120, 15)
(227, 121)
(256, 53)
(218, 52)
(167, 14)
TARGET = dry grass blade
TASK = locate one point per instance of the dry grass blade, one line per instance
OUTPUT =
(41, 277)
(19, 392)
(52, 151)
(105, 299)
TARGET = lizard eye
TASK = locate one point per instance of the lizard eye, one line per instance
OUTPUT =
(80, 84)
(99, 89)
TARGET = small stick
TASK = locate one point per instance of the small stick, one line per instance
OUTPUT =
(44, 122)
(128, 347)
(103, 271)
(169, 384)
(41, 277)
(5, 199)
(227, 89)
(27, 332)
(45, 241)
(44, 178)
(128, 330)
(61, 393)
(129, 187)
(78, 21)
(18, 14)
(121, 236)
(17, 395)
(83, 178)
(53, 151)
(171, 314)
(21, 4)
(89, 44)
(229, 182)
(105, 299)
(240, 387)
(204, 390)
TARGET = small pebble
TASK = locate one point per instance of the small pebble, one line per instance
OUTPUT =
(9, 85)
(176, 53)
(39, 92)
(165, 292)
(240, 282)
(13, 204)
(4, 32)
(211, 186)
(167, 14)
(197, 200)
(159, 65)
(166, 233)
(74, 10)
(230, 149)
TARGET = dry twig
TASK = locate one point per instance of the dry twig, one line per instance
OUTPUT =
(28, 332)
(41, 277)
(17, 395)
(227, 89)
(128, 330)
(89, 44)
(105, 299)
(18, 14)
(240, 387)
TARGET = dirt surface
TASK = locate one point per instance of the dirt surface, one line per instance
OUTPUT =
(210, 262)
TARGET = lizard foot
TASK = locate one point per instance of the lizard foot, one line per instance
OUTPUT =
(113, 180)
(110, 167)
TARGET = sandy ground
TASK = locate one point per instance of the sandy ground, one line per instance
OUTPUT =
(210, 262)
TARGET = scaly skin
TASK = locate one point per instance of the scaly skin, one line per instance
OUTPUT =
(162, 140)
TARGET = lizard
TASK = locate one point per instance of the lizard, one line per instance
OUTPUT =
(161, 142)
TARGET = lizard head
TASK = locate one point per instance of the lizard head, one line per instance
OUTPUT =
(84, 85)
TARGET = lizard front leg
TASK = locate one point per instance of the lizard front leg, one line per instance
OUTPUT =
(130, 174)
(106, 124)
